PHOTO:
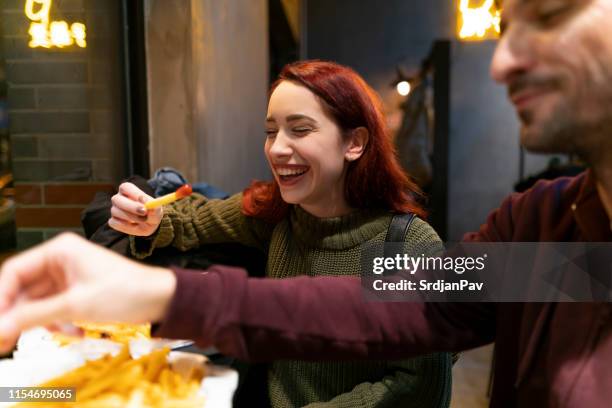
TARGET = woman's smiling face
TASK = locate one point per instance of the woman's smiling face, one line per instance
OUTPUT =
(306, 151)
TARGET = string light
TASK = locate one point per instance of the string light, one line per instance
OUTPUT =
(54, 34)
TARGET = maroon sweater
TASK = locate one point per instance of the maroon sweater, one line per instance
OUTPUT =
(546, 355)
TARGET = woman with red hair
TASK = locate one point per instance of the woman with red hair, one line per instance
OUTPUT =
(337, 184)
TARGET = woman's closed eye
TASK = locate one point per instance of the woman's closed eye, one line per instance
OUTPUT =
(301, 130)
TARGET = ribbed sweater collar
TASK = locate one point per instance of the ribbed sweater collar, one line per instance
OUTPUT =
(338, 233)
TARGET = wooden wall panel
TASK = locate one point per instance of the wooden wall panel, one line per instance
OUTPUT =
(208, 80)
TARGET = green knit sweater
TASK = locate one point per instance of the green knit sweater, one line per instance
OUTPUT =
(302, 244)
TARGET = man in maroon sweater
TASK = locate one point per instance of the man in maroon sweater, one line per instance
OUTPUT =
(555, 57)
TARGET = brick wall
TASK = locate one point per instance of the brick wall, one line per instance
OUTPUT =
(45, 209)
(65, 116)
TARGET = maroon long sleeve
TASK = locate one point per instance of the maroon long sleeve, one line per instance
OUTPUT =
(546, 354)
(262, 319)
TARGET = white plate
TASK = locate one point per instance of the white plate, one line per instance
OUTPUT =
(39, 358)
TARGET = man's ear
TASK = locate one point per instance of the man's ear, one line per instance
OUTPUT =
(358, 140)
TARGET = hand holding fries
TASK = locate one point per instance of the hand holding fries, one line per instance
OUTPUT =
(129, 215)
(69, 278)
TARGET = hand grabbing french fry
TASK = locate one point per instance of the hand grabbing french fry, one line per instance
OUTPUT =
(68, 278)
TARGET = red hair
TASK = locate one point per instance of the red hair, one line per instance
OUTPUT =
(376, 179)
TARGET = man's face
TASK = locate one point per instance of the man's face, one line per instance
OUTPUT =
(555, 57)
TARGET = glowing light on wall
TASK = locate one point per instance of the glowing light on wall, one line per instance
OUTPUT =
(403, 88)
(479, 23)
(51, 34)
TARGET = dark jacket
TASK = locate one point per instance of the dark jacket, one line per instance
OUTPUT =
(546, 355)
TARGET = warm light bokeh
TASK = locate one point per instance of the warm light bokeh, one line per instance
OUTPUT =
(403, 88)
(478, 22)
(51, 34)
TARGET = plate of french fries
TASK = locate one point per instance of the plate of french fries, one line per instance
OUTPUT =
(135, 372)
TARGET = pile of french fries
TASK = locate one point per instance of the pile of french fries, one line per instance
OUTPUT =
(121, 381)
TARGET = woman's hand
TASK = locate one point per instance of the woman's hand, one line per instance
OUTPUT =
(128, 214)
(69, 278)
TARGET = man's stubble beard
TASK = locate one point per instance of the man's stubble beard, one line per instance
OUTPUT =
(554, 135)
(567, 132)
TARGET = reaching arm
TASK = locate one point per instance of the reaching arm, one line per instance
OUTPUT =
(257, 319)
(315, 319)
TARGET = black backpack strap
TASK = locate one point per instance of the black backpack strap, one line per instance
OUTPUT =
(398, 228)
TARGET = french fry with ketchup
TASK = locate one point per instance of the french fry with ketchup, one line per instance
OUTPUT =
(182, 192)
